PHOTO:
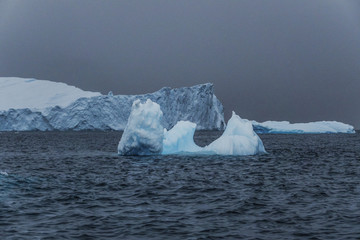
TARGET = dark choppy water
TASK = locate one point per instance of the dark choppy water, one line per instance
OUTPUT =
(73, 185)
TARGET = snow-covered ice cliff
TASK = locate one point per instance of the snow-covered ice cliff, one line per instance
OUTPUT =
(74, 109)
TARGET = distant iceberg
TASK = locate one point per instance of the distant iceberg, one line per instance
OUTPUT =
(29, 104)
(312, 127)
(144, 135)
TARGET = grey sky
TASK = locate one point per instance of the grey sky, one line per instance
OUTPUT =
(295, 60)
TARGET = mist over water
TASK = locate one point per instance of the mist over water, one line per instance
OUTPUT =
(73, 185)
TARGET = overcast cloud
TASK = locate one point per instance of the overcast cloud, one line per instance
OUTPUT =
(292, 60)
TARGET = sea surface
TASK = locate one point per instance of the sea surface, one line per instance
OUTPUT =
(73, 185)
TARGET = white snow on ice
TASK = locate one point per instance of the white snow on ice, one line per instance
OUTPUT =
(311, 127)
(19, 93)
(144, 135)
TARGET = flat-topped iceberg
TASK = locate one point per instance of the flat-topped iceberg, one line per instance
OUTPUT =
(312, 127)
(62, 107)
(144, 135)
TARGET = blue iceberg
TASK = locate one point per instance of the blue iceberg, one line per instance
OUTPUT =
(144, 135)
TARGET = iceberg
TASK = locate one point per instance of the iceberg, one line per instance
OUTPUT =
(238, 138)
(144, 135)
(75, 109)
(180, 139)
(312, 127)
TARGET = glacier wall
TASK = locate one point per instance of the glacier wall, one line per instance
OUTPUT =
(197, 104)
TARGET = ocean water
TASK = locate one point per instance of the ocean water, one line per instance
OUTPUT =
(72, 185)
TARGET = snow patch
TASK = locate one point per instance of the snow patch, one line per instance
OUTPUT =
(20, 93)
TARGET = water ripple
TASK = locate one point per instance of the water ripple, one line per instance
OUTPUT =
(73, 185)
